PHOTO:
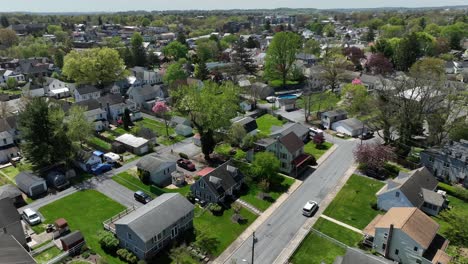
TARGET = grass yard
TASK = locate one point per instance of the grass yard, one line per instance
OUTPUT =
(315, 249)
(225, 150)
(133, 183)
(311, 149)
(80, 210)
(47, 255)
(10, 172)
(157, 127)
(265, 122)
(100, 143)
(4, 180)
(221, 227)
(275, 192)
(458, 206)
(353, 204)
(321, 101)
(338, 232)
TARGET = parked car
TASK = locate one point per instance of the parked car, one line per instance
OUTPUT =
(315, 131)
(309, 208)
(366, 135)
(142, 197)
(271, 99)
(186, 164)
(101, 168)
(31, 217)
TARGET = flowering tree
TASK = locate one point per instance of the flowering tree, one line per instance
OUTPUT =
(162, 110)
(318, 139)
(356, 81)
(373, 156)
(379, 64)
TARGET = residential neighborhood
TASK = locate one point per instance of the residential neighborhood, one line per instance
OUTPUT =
(323, 133)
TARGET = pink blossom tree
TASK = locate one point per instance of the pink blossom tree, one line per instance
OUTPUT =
(356, 81)
(373, 156)
(318, 140)
(161, 109)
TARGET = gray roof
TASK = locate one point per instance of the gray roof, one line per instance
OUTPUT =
(27, 178)
(352, 123)
(156, 215)
(151, 163)
(178, 119)
(111, 99)
(8, 123)
(87, 89)
(337, 112)
(433, 197)
(9, 191)
(222, 178)
(291, 142)
(355, 256)
(247, 122)
(89, 105)
(12, 252)
(297, 128)
(9, 213)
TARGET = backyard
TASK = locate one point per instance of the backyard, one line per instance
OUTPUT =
(100, 143)
(353, 204)
(265, 122)
(317, 152)
(158, 128)
(133, 183)
(47, 255)
(251, 192)
(321, 101)
(457, 206)
(79, 209)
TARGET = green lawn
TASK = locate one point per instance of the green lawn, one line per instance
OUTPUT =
(100, 143)
(265, 122)
(458, 206)
(321, 101)
(157, 127)
(275, 192)
(338, 232)
(47, 255)
(221, 227)
(11, 91)
(225, 149)
(353, 204)
(4, 180)
(11, 172)
(84, 211)
(315, 249)
(311, 149)
(133, 183)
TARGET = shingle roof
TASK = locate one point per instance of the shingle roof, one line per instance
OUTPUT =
(414, 182)
(222, 178)
(111, 99)
(352, 123)
(8, 123)
(151, 163)
(90, 104)
(356, 256)
(334, 113)
(432, 197)
(157, 215)
(9, 191)
(291, 142)
(9, 213)
(297, 128)
(248, 123)
(27, 178)
(86, 89)
(13, 252)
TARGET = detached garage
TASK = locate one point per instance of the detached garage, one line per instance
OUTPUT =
(351, 127)
(135, 145)
(31, 184)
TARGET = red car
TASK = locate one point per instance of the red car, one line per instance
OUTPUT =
(186, 164)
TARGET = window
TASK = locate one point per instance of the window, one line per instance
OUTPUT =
(283, 165)
(397, 194)
(383, 246)
(159, 236)
(396, 251)
(415, 248)
(129, 236)
(174, 232)
(446, 165)
(431, 159)
(284, 156)
(4, 141)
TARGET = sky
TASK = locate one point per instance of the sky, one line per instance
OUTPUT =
(149, 5)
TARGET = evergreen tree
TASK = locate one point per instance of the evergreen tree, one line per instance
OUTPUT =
(201, 71)
(242, 58)
(370, 35)
(252, 43)
(100, 21)
(4, 21)
(138, 51)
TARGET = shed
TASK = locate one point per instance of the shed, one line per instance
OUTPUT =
(183, 130)
(136, 145)
(71, 240)
(57, 180)
(31, 184)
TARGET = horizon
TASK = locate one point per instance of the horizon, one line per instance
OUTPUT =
(107, 6)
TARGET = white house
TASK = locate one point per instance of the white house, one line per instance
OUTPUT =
(156, 169)
(86, 92)
(113, 105)
(94, 113)
(351, 127)
(87, 159)
(56, 88)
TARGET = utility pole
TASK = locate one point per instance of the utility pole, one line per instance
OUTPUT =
(253, 246)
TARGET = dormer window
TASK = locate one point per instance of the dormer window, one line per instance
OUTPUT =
(397, 194)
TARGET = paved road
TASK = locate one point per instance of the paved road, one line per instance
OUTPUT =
(277, 231)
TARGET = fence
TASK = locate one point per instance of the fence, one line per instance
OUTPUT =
(108, 223)
(43, 248)
(65, 254)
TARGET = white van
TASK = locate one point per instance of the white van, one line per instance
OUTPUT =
(315, 131)
(31, 217)
(309, 208)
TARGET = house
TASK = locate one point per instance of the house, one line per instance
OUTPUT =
(301, 131)
(407, 235)
(217, 185)
(183, 130)
(261, 90)
(13, 193)
(7, 74)
(113, 105)
(178, 120)
(248, 123)
(330, 117)
(289, 149)
(86, 92)
(145, 96)
(355, 256)
(56, 88)
(94, 113)
(286, 103)
(351, 127)
(33, 68)
(413, 189)
(13, 252)
(146, 76)
(306, 59)
(33, 90)
(448, 163)
(10, 222)
(31, 184)
(135, 145)
(87, 159)
(157, 170)
(155, 225)
(9, 138)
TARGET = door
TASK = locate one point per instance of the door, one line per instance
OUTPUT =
(36, 190)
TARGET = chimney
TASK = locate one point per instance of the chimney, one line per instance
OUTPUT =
(389, 241)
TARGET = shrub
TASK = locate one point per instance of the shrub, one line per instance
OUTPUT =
(108, 241)
(456, 191)
(144, 176)
(215, 209)
(127, 256)
(141, 262)
(92, 252)
(183, 155)
(85, 255)
(190, 196)
(280, 117)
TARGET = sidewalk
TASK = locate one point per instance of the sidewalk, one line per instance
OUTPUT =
(304, 230)
(342, 224)
(250, 207)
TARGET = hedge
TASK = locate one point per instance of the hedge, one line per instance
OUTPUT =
(456, 191)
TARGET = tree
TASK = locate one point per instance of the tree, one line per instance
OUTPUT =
(175, 72)
(370, 36)
(161, 109)
(207, 50)
(175, 50)
(329, 30)
(318, 140)
(373, 156)
(354, 54)
(138, 51)
(206, 242)
(181, 38)
(454, 33)
(428, 68)
(8, 37)
(379, 64)
(99, 66)
(281, 55)
(236, 134)
(456, 228)
(252, 43)
(58, 58)
(355, 98)
(51, 29)
(407, 52)
(242, 58)
(79, 128)
(384, 47)
(459, 130)
(333, 70)
(312, 47)
(126, 120)
(181, 255)
(4, 21)
(265, 167)
(201, 71)
(11, 83)
(267, 25)
(145, 22)
(209, 108)
(44, 134)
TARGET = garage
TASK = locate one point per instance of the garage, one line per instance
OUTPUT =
(31, 184)
(351, 127)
